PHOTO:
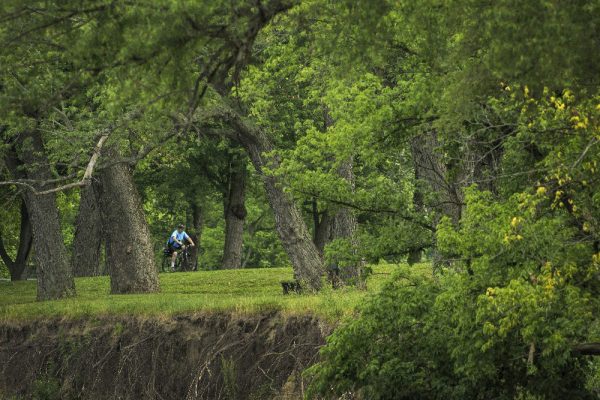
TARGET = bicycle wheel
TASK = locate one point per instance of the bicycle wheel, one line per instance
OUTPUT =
(178, 262)
(166, 263)
(185, 261)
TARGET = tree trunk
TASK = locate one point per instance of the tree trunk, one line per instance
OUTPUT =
(345, 227)
(323, 224)
(235, 214)
(129, 251)
(431, 170)
(54, 275)
(292, 230)
(17, 267)
(197, 222)
(415, 253)
(87, 242)
(344, 224)
(322, 228)
(432, 175)
(198, 225)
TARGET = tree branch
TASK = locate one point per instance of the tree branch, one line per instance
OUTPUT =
(87, 176)
(586, 349)
(398, 213)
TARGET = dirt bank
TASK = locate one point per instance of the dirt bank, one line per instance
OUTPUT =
(217, 356)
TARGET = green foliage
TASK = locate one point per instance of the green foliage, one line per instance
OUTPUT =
(503, 96)
(422, 338)
(536, 251)
(9, 230)
(593, 384)
(395, 350)
(521, 289)
(519, 282)
(324, 122)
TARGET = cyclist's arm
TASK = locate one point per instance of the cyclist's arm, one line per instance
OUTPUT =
(189, 239)
(174, 237)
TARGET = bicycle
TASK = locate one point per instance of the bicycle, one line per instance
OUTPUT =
(182, 261)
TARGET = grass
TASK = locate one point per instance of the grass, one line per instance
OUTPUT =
(239, 291)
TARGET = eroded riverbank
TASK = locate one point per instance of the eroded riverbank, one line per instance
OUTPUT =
(209, 356)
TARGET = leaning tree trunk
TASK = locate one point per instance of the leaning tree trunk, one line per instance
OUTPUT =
(17, 267)
(87, 242)
(53, 270)
(129, 251)
(292, 230)
(235, 215)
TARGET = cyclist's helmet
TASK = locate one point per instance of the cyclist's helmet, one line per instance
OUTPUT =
(181, 226)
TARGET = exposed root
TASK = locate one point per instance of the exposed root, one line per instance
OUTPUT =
(186, 357)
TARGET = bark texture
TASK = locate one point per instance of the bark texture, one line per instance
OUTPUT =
(53, 270)
(198, 225)
(235, 215)
(129, 251)
(87, 243)
(17, 266)
(197, 221)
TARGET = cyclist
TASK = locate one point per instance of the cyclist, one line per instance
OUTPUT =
(176, 242)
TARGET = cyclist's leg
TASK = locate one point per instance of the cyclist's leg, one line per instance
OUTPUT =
(178, 261)
(173, 260)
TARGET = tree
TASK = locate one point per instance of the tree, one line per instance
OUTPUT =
(55, 278)
(17, 266)
(87, 243)
(83, 87)
(295, 238)
(234, 211)
(129, 250)
(504, 154)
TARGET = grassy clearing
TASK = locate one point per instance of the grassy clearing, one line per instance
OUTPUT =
(239, 291)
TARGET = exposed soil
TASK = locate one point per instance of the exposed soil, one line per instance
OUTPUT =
(216, 356)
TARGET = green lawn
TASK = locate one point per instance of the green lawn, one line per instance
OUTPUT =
(239, 291)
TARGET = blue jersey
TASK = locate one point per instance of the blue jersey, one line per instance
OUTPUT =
(179, 236)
